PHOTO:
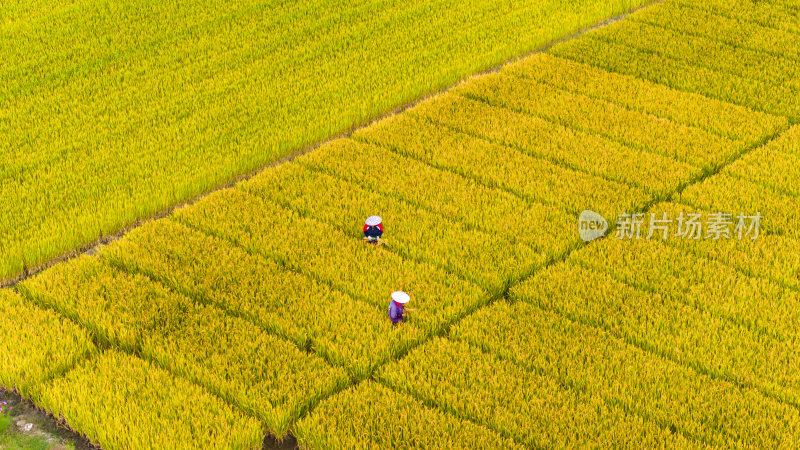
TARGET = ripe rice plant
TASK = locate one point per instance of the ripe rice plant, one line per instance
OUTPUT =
(108, 116)
(644, 132)
(707, 411)
(771, 256)
(266, 376)
(38, 344)
(759, 304)
(695, 21)
(120, 401)
(373, 416)
(765, 68)
(532, 408)
(412, 232)
(678, 74)
(725, 192)
(464, 200)
(776, 165)
(782, 15)
(724, 119)
(665, 324)
(572, 148)
(356, 336)
(496, 165)
(325, 253)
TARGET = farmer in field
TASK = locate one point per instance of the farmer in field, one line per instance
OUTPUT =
(397, 307)
(373, 229)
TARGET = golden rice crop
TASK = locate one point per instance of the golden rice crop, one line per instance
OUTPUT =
(724, 119)
(771, 256)
(38, 344)
(532, 408)
(109, 116)
(766, 68)
(678, 74)
(121, 402)
(323, 252)
(573, 148)
(699, 22)
(210, 270)
(373, 416)
(496, 165)
(709, 411)
(412, 232)
(642, 131)
(267, 376)
(459, 198)
(776, 165)
(782, 15)
(728, 193)
(667, 325)
(709, 285)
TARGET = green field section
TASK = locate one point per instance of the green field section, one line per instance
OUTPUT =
(113, 113)
(263, 301)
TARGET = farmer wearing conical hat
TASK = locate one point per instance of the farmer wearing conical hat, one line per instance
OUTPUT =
(373, 229)
(397, 306)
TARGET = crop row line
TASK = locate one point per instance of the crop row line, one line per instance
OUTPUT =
(746, 20)
(605, 40)
(589, 131)
(764, 51)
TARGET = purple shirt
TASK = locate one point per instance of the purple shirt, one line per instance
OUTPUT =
(395, 312)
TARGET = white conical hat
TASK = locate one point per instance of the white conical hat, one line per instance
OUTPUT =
(373, 221)
(400, 297)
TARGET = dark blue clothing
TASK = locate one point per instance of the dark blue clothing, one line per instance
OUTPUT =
(373, 232)
(396, 312)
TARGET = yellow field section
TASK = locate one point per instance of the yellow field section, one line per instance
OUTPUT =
(113, 112)
(319, 250)
(266, 376)
(124, 402)
(575, 149)
(724, 119)
(673, 326)
(373, 416)
(532, 178)
(38, 344)
(284, 302)
(674, 396)
(416, 233)
(524, 404)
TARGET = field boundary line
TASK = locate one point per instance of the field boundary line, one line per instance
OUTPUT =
(719, 41)
(637, 147)
(525, 151)
(90, 247)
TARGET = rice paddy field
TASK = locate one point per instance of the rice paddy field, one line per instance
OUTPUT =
(257, 308)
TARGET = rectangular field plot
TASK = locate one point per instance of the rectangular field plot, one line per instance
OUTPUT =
(37, 344)
(759, 304)
(681, 75)
(565, 146)
(532, 178)
(669, 326)
(642, 131)
(533, 408)
(210, 270)
(373, 416)
(705, 410)
(327, 254)
(492, 210)
(413, 232)
(266, 376)
(724, 119)
(120, 401)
